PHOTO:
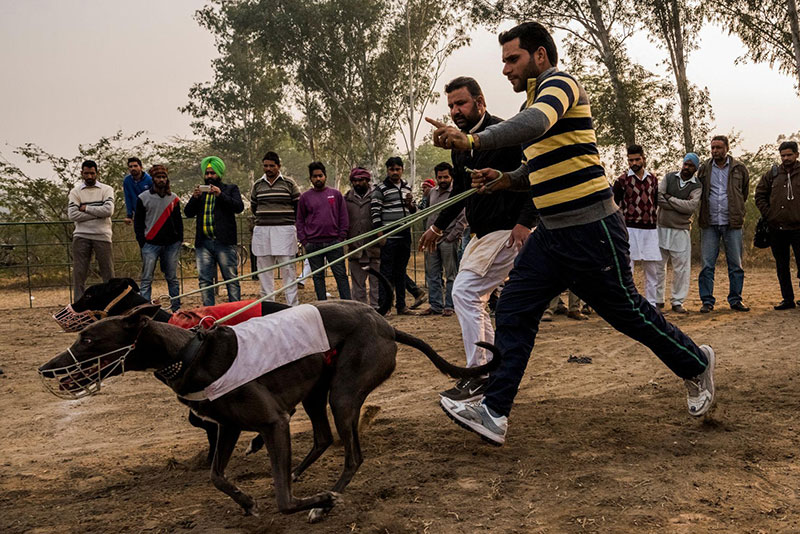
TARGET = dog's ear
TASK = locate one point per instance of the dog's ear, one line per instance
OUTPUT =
(130, 282)
(138, 316)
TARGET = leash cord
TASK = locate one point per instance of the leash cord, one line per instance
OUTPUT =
(411, 219)
(417, 216)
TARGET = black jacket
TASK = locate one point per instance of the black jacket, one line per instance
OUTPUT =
(226, 206)
(496, 211)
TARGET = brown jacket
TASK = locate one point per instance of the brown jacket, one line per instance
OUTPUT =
(738, 189)
(778, 198)
(358, 210)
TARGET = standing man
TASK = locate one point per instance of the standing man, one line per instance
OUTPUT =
(775, 199)
(134, 184)
(359, 204)
(322, 221)
(580, 242)
(443, 255)
(273, 201)
(678, 198)
(636, 194)
(391, 201)
(501, 223)
(426, 186)
(215, 204)
(158, 226)
(726, 184)
(91, 205)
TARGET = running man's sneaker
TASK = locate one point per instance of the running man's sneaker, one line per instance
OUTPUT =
(467, 389)
(701, 388)
(478, 418)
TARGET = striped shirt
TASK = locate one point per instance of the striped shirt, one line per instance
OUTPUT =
(274, 204)
(561, 162)
(388, 206)
(208, 215)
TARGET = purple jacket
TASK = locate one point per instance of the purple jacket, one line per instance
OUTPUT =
(321, 216)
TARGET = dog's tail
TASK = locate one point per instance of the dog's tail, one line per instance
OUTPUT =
(387, 287)
(443, 365)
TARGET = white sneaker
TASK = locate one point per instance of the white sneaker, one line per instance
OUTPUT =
(700, 396)
(477, 418)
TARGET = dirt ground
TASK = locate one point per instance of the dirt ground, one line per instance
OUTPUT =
(606, 447)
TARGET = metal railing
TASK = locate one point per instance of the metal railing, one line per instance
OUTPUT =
(36, 261)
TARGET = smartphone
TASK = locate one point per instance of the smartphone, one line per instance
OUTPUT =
(204, 188)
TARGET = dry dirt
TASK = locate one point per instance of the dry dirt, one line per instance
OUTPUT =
(606, 447)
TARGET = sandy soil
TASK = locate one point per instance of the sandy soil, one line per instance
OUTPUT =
(606, 447)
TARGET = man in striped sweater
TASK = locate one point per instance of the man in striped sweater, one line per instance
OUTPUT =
(90, 207)
(580, 243)
(273, 201)
(391, 201)
(158, 226)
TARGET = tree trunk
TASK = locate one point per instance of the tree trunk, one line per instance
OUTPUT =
(622, 113)
(795, 27)
(669, 16)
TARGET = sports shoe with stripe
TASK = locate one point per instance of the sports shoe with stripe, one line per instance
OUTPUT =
(467, 389)
(478, 418)
(700, 396)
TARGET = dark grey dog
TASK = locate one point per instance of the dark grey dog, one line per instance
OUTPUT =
(366, 347)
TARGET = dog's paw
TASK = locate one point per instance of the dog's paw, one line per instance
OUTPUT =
(256, 444)
(315, 515)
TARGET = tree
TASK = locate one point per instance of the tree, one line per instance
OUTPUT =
(768, 28)
(675, 25)
(430, 31)
(241, 111)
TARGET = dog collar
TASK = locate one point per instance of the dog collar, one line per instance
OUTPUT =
(188, 353)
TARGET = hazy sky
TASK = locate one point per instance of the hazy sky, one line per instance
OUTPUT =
(75, 70)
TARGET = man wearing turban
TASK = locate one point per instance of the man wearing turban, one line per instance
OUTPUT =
(215, 205)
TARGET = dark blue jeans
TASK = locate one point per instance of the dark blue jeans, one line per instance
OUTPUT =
(593, 261)
(709, 247)
(394, 261)
(338, 269)
(211, 253)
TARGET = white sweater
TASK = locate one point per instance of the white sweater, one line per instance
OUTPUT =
(95, 222)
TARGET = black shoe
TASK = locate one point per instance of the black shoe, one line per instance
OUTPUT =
(678, 308)
(561, 309)
(660, 305)
(467, 389)
(419, 298)
(706, 308)
(586, 310)
(739, 307)
(785, 305)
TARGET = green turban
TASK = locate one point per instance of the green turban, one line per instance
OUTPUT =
(215, 163)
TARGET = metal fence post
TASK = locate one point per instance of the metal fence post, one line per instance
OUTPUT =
(27, 264)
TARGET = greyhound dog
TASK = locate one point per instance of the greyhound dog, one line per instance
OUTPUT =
(119, 296)
(366, 346)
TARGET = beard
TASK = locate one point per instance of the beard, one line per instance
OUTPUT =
(213, 181)
(361, 189)
(162, 189)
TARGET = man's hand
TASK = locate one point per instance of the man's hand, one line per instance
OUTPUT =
(82, 208)
(129, 222)
(196, 193)
(429, 239)
(408, 200)
(215, 190)
(519, 234)
(448, 137)
(483, 176)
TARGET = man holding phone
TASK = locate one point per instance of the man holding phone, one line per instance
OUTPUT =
(215, 204)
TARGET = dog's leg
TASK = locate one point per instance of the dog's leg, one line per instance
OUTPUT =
(226, 441)
(316, 406)
(278, 442)
(211, 433)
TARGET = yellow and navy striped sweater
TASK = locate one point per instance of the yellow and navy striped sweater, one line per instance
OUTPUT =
(561, 162)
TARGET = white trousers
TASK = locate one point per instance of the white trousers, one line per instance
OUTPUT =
(470, 295)
(267, 279)
(651, 269)
(681, 267)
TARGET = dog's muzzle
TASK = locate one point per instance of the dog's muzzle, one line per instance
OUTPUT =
(71, 321)
(81, 379)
